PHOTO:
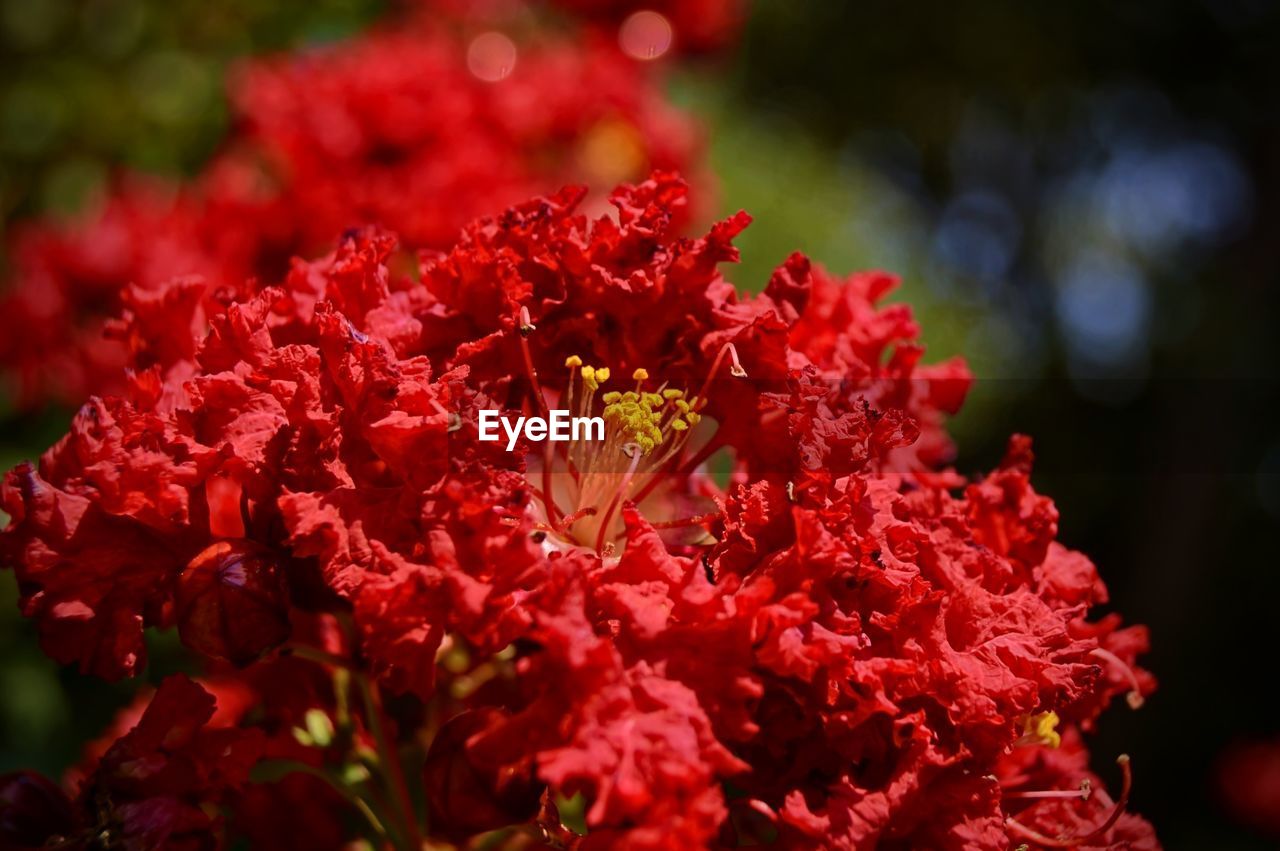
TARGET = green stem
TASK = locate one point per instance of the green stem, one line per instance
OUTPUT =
(315, 654)
(407, 836)
(389, 758)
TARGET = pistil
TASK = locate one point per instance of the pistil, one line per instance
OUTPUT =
(1134, 698)
(1098, 832)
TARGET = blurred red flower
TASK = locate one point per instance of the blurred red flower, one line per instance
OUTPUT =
(1248, 775)
(396, 128)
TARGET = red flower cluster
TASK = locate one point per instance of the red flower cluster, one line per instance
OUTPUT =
(758, 611)
(417, 130)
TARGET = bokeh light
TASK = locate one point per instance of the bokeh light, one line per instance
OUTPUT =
(491, 57)
(645, 35)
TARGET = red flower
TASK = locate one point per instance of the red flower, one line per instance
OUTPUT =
(67, 279)
(841, 645)
(1052, 792)
(397, 130)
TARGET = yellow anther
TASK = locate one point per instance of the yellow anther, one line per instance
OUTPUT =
(645, 434)
(1041, 729)
(633, 416)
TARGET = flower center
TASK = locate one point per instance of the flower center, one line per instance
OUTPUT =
(646, 432)
(651, 447)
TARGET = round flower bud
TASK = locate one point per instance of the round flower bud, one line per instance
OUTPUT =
(231, 604)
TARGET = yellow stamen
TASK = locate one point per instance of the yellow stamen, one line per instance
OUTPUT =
(644, 432)
(1041, 729)
(633, 420)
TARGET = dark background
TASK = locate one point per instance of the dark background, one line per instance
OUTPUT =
(1082, 198)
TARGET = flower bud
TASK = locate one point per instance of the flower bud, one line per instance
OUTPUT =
(231, 604)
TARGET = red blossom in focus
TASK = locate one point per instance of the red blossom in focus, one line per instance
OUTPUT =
(842, 645)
